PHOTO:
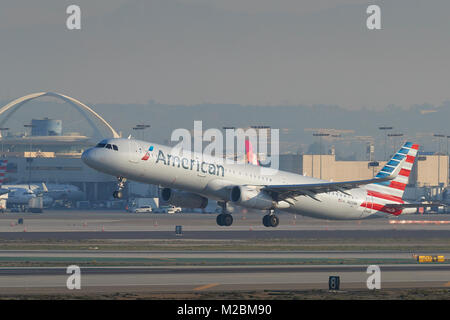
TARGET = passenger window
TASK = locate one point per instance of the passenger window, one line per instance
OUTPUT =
(108, 146)
(115, 147)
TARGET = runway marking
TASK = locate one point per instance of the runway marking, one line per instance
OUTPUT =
(206, 286)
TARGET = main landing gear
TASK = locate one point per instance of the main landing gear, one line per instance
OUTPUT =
(118, 194)
(224, 219)
(270, 220)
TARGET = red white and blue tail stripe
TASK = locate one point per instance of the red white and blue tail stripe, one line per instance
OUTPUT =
(381, 193)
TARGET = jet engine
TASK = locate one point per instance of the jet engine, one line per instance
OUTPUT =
(183, 199)
(251, 197)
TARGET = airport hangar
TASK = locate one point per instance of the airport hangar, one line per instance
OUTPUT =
(49, 155)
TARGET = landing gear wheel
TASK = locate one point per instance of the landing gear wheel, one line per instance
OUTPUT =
(224, 219)
(274, 221)
(219, 220)
(118, 194)
(227, 220)
(265, 220)
(271, 220)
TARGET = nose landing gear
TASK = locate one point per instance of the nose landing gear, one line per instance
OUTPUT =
(118, 194)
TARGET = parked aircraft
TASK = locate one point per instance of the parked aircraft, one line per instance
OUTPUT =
(21, 194)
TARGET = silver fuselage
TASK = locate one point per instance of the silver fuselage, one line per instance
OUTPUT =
(209, 176)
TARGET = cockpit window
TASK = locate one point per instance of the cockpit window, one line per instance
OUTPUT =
(103, 144)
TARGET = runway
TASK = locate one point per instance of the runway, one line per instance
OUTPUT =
(124, 224)
(228, 234)
(127, 253)
(173, 279)
(216, 254)
(82, 225)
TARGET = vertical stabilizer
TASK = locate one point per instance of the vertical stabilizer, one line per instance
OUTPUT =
(400, 165)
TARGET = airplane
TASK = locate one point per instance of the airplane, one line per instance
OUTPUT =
(54, 191)
(20, 194)
(66, 192)
(189, 179)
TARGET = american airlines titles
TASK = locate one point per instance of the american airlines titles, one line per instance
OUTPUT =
(191, 164)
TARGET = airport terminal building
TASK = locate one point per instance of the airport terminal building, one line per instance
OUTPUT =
(429, 170)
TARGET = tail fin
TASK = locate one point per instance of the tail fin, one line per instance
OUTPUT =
(251, 157)
(3, 164)
(400, 167)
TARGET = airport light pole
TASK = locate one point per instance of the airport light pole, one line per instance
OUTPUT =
(142, 127)
(439, 136)
(390, 135)
(320, 135)
(384, 128)
(29, 159)
(137, 128)
(30, 126)
(6, 129)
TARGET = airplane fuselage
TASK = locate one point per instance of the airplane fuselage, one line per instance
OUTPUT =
(209, 176)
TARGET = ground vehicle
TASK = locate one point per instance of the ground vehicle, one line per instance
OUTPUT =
(143, 209)
(137, 203)
(173, 210)
(167, 209)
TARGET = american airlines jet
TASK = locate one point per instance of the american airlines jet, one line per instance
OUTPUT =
(190, 179)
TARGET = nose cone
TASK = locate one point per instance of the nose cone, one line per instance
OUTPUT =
(90, 157)
(85, 156)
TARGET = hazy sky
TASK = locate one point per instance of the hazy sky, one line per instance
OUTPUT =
(251, 52)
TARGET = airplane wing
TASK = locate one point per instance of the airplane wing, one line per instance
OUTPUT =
(284, 191)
